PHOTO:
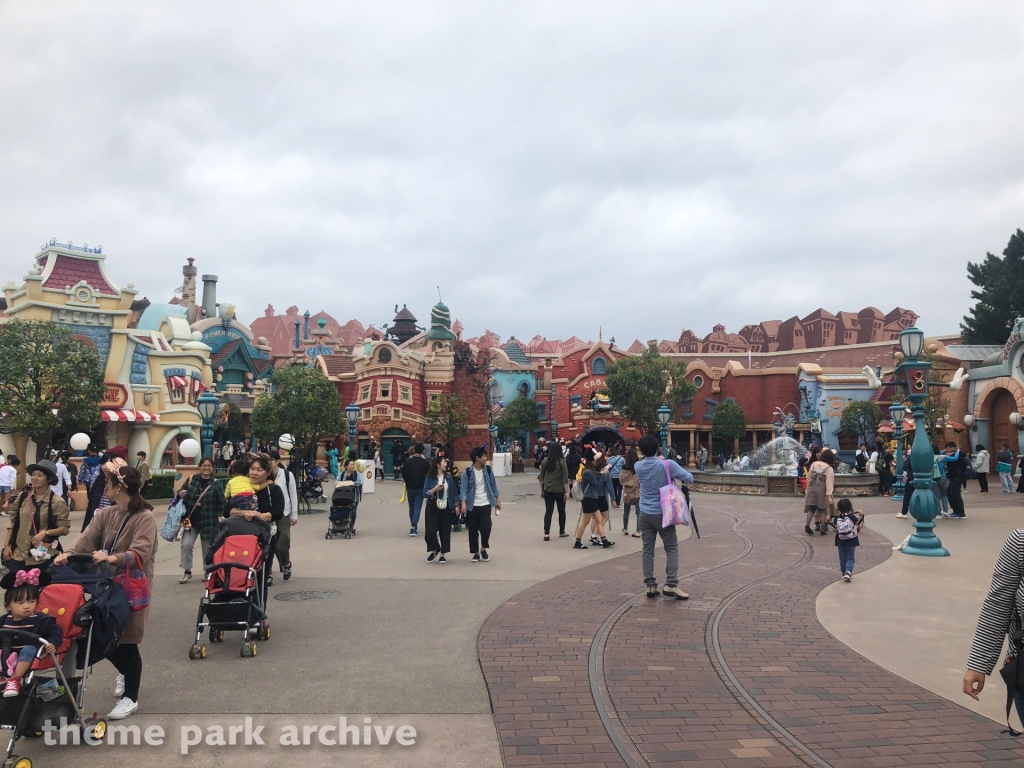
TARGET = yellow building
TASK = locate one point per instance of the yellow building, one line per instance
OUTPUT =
(155, 369)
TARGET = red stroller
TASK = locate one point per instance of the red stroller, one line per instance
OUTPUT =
(234, 586)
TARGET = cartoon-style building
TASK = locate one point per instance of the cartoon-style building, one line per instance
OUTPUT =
(155, 366)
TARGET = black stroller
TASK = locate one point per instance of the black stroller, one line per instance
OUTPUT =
(234, 586)
(91, 610)
(344, 503)
(312, 488)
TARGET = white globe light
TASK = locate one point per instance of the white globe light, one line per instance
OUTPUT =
(189, 448)
(286, 441)
(968, 421)
(80, 441)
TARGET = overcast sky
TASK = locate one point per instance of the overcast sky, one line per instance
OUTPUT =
(554, 167)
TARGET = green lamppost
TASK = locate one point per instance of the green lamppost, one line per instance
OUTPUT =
(352, 414)
(923, 505)
(664, 414)
(898, 412)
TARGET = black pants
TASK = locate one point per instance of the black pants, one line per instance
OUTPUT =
(907, 493)
(956, 501)
(551, 498)
(478, 520)
(439, 528)
(268, 563)
(128, 661)
(983, 482)
(616, 490)
(884, 481)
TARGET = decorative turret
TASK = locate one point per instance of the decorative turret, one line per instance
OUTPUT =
(404, 326)
(440, 324)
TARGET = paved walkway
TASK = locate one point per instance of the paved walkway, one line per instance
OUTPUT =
(582, 670)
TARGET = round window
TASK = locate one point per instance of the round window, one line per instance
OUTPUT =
(698, 381)
(385, 355)
(83, 295)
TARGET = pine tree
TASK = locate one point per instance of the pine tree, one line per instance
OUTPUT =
(1000, 294)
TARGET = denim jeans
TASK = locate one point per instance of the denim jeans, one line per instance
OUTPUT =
(846, 557)
(650, 529)
(625, 516)
(415, 499)
(939, 488)
(1007, 480)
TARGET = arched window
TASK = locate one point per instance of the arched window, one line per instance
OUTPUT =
(524, 389)
(598, 366)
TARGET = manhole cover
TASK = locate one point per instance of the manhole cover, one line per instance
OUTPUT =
(314, 594)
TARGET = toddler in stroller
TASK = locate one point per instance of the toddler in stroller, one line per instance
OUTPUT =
(234, 599)
(312, 489)
(344, 503)
(44, 619)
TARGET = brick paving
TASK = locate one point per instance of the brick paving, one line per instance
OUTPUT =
(667, 698)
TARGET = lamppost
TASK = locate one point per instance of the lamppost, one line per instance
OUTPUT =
(352, 414)
(554, 430)
(923, 505)
(664, 414)
(207, 405)
(898, 412)
(493, 430)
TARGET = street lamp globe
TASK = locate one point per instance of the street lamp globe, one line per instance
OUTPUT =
(897, 411)
(911, 343)
(1016, 419)
(664, 414)
(189, 448)
(286, 441)
(79, 441)
(352, 413)
(207, 405)
(968, 421)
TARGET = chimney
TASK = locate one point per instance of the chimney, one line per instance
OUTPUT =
(188, 289)
(210, 295)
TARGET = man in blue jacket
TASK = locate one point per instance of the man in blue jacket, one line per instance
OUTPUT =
(478, 495)
(653, 474)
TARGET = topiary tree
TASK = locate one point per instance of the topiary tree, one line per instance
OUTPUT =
(860, 419)
(520, 417)
(447, 420)
(50, 381)
(639, 385)
(303, 404)
(728, 422)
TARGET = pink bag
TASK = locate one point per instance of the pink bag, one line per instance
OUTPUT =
(135, 583)
(674, 510)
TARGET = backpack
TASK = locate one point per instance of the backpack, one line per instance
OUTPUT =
(880, 465)
(846, 528)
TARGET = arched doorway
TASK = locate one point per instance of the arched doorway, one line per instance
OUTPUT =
(388, 438)
(1001, 405)
(604, 435)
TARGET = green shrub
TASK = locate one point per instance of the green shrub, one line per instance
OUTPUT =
(163, 487)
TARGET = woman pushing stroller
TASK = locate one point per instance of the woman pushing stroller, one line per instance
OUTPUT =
(269, 508)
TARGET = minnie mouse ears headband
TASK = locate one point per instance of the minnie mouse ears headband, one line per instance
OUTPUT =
(32, 576)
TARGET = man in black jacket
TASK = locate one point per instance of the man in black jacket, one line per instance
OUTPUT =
(414, 471)
(956, 473)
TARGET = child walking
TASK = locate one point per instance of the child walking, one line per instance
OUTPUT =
(847, 523)
(20, 601)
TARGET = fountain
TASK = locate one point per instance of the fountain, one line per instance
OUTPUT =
(771, 470)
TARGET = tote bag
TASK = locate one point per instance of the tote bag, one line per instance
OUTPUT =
(674, 510)
(135, 583)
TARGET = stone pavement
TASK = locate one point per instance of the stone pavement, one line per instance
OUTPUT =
(547, 656)
(582, 670)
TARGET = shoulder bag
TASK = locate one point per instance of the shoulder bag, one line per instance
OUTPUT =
(674, 510)
(135, 583)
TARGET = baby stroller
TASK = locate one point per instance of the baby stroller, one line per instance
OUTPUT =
(92, 611)
(234, 586)
(344, 503)
(312, 489)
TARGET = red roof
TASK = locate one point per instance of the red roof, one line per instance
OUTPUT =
(339, 364)
(68, 271)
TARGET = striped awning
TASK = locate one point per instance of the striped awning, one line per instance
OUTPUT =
(198, 386)
(178, 382)
(125, 414)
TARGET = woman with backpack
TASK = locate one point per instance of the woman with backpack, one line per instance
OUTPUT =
(821, 480)
(630, 491)
(38, 518)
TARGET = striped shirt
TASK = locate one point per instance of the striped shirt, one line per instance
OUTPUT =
(1005, 596)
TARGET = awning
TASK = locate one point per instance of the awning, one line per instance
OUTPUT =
(124, 414)
(198, 386)
(178, 382)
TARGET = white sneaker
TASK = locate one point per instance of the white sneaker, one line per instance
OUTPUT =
(119, 687)
(901, 517)
(122, 709)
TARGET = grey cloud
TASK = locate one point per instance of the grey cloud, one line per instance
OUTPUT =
(553, 167)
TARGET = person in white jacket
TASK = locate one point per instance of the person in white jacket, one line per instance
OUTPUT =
(285, 480)
(981, 466)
